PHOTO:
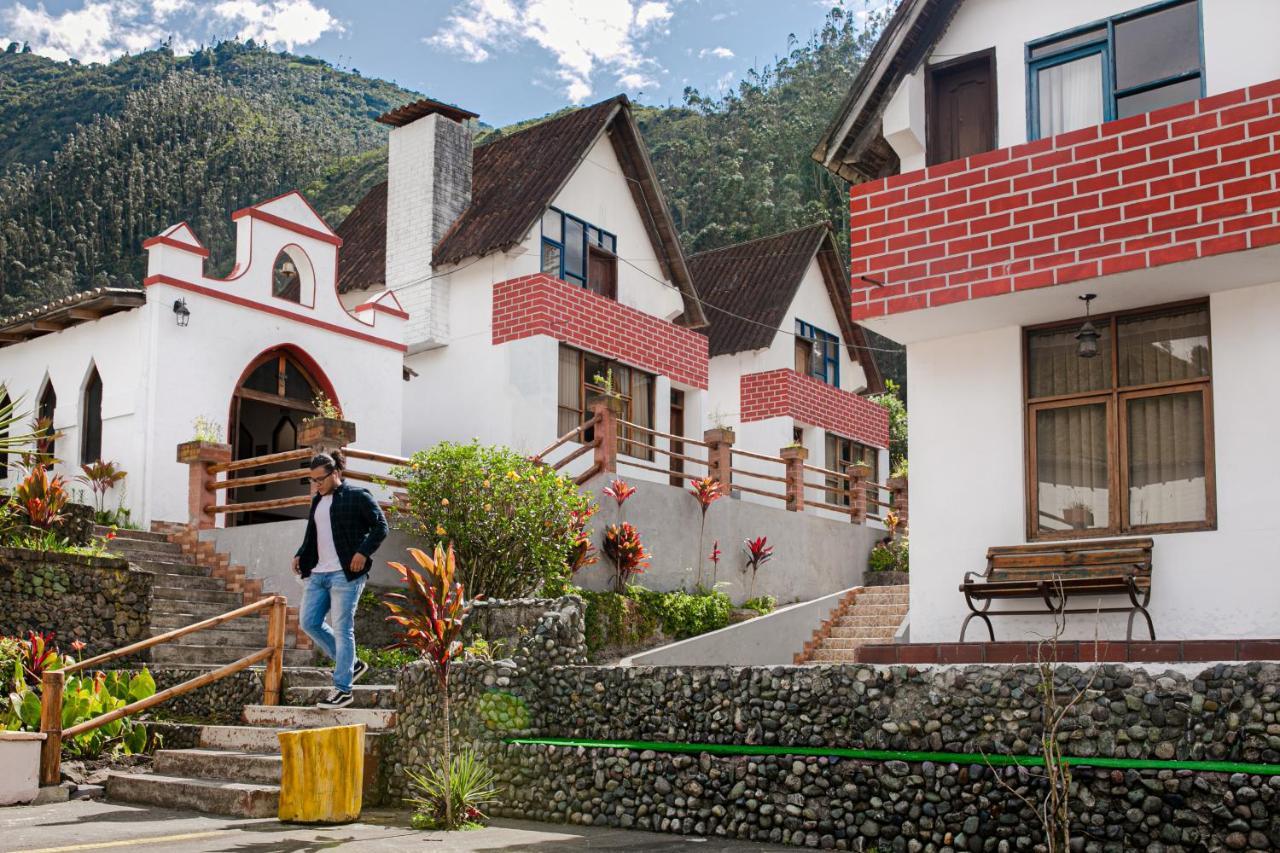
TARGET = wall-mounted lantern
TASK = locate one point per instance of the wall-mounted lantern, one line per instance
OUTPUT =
(1087, 337)
(181, 312)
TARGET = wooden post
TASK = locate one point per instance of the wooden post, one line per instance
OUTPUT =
(720, 455)
(274, 674)
(606, 437)
(794, 458)
(199, 455)
(898, 500)
(51, 727)
(859, 474)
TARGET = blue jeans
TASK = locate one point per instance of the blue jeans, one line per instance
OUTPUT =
(332, 589)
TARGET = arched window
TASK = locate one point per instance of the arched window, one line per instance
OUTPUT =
(44, 420)
(286, 282)
(6, 414)
(91, 420)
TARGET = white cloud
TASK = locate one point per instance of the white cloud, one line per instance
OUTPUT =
(717, 52)
(585, 37)
(288, 23)
(96, 32)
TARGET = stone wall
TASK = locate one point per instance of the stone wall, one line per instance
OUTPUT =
(100, 601)
(1227, 712)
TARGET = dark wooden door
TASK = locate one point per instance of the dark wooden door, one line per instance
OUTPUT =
(602, 273)
(677, 428)
(962, 108)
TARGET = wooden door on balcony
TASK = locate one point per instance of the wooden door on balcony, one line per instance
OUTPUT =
(960, 103)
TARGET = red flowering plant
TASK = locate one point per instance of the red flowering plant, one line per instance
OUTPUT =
(38, 655)
(101, 476)
(41, 497)
(758, 553)
(582, 552)
(619, 490)
(622, 545)
(707, 491)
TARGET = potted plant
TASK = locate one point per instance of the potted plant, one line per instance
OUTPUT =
(206, 444)
(20, 755)
(1079, 515)
(327, 428)
(611, 397)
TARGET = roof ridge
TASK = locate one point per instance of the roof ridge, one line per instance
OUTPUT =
(547, 119)
(741, 243)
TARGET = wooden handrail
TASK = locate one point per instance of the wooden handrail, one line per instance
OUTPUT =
(259, 461)
(567, 437)
(586, 448)
(738, 487)
(586, 475)
(374, 478)
(825, 471)
(631, 443)
(254, 506)
(744, 472)
(760, 456)
(261, 479)
(370, 456)
(53, 681)
(667, 435)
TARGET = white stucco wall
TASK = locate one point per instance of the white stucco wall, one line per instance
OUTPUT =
(967, 419)
(1238, 51)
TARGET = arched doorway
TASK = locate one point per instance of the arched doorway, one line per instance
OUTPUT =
(274, 395)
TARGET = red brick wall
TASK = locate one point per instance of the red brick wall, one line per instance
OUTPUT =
(786, 393)
(1185, 182)
(544, 305)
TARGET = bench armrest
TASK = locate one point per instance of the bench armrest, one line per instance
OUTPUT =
(970, 577)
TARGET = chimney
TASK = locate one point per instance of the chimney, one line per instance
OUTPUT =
(428, 188)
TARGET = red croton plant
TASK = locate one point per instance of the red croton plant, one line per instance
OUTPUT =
(707, 491)
(622, 545)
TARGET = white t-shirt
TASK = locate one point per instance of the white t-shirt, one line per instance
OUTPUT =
(328, 554)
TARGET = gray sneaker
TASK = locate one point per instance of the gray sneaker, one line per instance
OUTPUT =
(335, 700)
(361, 670)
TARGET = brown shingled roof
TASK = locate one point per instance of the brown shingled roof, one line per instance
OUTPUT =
(747, 288)
(514, 179)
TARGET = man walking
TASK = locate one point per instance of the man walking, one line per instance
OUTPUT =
(344, 528)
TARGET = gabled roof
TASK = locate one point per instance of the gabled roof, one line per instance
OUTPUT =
(747, 288)
(854, 146)
(514, 179)
(69, 311)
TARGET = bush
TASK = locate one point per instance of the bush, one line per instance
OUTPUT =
(684, 615)
(893, 557)
(762, 604)
(637, 616)
(510, 521)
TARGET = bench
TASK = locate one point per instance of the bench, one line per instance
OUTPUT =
(1054, 572)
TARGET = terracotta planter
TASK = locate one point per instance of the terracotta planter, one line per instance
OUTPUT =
(326, 433)
(203, 451)
(20, 757)
(1079, 517)
(862, 472)
(719, 435)
(800, 453)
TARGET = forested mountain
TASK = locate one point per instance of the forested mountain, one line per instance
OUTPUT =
(96, 158)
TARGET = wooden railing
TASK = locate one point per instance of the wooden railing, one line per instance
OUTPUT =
(53, 681)
(587, 445)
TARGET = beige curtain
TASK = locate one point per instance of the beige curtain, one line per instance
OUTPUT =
(1071, 467)
(1164, 348)
(1166, 458)
(569, 414)
(1054, 368)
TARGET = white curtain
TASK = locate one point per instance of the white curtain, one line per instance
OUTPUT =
(1071, 95)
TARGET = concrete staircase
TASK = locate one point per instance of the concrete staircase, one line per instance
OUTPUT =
(194, 583)
(865, 616)
(235, 770)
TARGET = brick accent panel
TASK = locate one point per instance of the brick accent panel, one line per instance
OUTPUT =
(1185, 182)
(1171, 651)
(784, 392)
(543, 305)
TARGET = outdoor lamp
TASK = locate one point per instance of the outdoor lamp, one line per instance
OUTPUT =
(181, 311)
(1088, 335)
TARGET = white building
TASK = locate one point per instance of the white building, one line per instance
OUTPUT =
(1008, 164)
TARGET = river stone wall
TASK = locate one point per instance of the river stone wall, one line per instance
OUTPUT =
(1227, 712)
(101, 601)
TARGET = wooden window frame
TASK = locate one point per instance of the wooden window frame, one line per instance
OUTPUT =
(931, 99)
(608, 241)
(91, 421)
(1115, 400)
(830, 351)
(834, 484)
(586, 384)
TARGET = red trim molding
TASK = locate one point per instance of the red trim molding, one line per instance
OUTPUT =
(785, 393)
(543, 305)
(162, 240)
(382, 309)
(270, 309)
(281, 222)
(1185, 182)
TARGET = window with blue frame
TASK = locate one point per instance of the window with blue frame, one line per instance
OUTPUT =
(817, 353)
(1133, 63)
(572, 251)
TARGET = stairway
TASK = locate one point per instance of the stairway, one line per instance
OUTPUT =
(865, 616)
(194, 583)
(235, 770)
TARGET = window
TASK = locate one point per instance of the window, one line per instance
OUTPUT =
(6, 412)
(578, 252)
(1121, 443)
(286, 282)
(843, 452)
(91, 420)
(578, 390)
(1126, 65)
(44, 421)
(817, 353)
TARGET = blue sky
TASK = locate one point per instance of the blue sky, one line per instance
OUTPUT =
(505, 59)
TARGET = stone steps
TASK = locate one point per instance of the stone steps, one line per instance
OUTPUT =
(884, 632)
(365, 695)
(232, 600)
(864, 616)
(262, 768)
(188, 582)
(182, 653)
(101, 531)
(211, 796)
(193, 611)
(225, 636)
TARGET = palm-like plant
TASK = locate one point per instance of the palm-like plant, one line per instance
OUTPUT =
(707, 491)
(11, 415)
(758, 552)
(430, 614)
(42, 497)
(101, 476)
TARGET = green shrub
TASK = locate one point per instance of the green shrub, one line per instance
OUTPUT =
(510, 521)
(635, 617)
(893, 557)
(387, 658)
(469, 787)
(684, 615)
(762, 604)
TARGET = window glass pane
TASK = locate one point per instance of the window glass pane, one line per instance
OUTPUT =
(1100, 34)
(285, 281)
(1071, 468)
(804, 355)
(612, 244)
(295, 384)
(1070, 95)
(1053, 367)
(1166, 459)
(1165, 347)
(1154, 99)
(1157, 46)
(594, 236)
(573, 248)
(551, 225)
(551, 259)
(265, 377)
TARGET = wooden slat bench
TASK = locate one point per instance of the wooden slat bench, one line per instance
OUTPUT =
(1054, 572)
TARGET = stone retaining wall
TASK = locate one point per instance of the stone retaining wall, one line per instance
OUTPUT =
(100, 601)
(1225, 712)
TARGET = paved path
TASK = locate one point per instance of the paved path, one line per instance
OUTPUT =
(86, 825)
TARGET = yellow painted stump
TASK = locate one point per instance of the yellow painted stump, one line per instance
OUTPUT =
(322, 774)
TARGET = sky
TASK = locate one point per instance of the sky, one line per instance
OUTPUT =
(504, 59)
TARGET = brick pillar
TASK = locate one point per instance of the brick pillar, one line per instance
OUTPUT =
(720, 455)
(859, 474)
(325, 435)
(606, 435)
(794, 458)
(199, 455)
(898, 500)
